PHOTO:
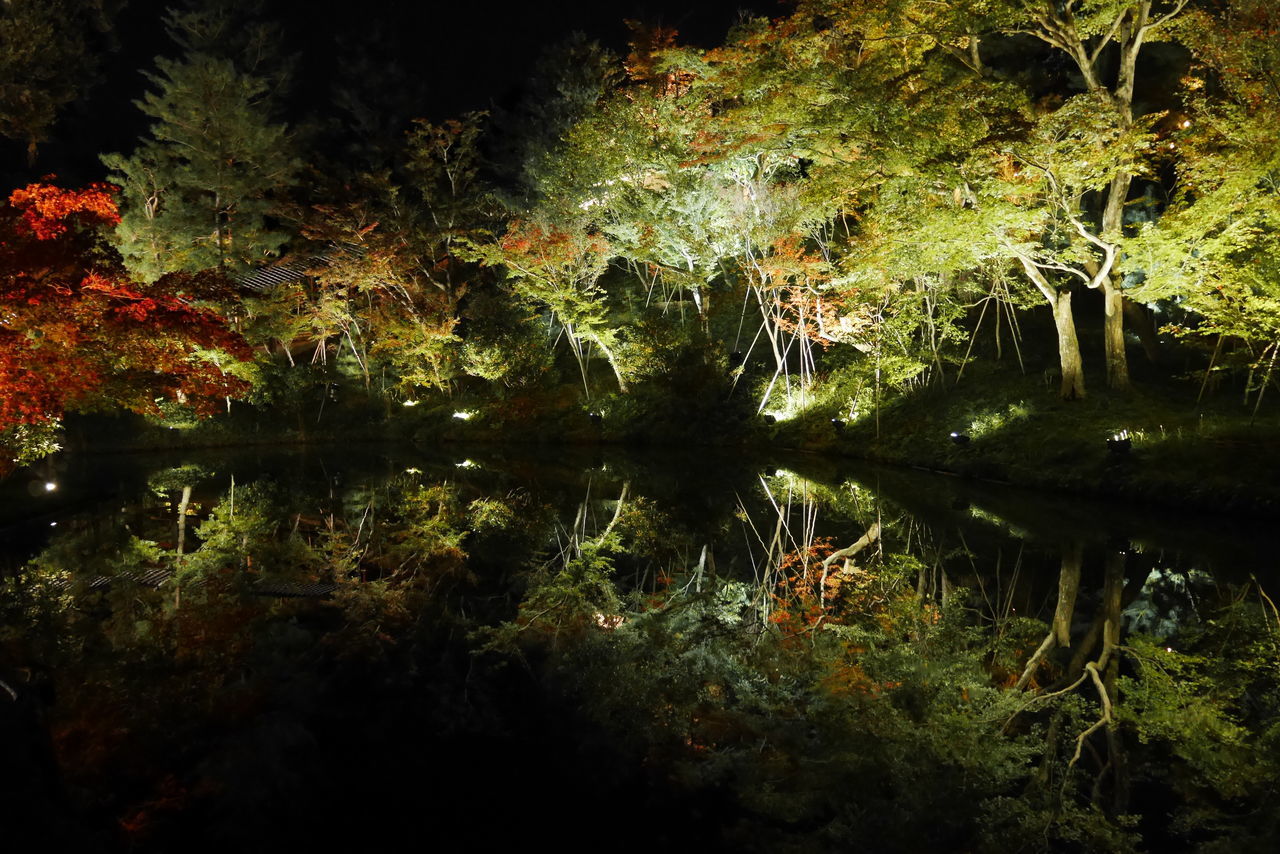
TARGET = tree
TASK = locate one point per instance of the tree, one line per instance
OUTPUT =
(556, 264)
(1048, 197)
(1214, 250)
(838, 133)
(46, 62)
(1095, 35)
(393, 278)
(76, 333)
(568, 81)
(1028, 193)
(204, 190)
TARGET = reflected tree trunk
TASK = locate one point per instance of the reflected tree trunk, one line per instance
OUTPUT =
(183, 504)
(1063, 615)
(1068, 589)
(1113, 605)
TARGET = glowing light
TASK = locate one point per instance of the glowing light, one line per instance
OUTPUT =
(409, 403)
(412, 470)
(1186, 123)
(609, 621)
(50, 486)
(466, 464)
(463, 414)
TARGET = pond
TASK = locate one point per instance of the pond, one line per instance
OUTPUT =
(379, 644)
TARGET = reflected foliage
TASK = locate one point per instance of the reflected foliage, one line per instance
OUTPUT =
(806, 669)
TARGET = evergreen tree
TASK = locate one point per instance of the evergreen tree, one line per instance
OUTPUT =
(568, 82)
(204, 189)
(45, 62)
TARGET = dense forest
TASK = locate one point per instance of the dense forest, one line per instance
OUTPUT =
(833, 209)
(1028, 242)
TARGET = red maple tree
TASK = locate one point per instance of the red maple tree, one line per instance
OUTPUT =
(76, 333)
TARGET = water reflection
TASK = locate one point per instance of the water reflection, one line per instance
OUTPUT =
(231, 649)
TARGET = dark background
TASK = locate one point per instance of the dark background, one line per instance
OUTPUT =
(449, 58)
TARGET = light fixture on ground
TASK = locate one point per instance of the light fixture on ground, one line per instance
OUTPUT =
(1120, 444)
(959, 438)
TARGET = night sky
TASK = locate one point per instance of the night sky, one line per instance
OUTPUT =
(457, 56)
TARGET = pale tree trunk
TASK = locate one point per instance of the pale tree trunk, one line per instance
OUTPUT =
(1069, 360)
(1068, 589)
(613, 363)
(1112, 296)
(183, 504)
(1113, 336)
(1055, 24)
(1063, 615)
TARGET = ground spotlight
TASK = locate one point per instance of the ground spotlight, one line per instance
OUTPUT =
(1120, 444)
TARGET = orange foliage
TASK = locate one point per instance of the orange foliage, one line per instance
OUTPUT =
(643, 62)
(75, 330)
(45, 208)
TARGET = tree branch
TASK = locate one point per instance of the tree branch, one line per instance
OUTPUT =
(1091, 669)
(872, 534)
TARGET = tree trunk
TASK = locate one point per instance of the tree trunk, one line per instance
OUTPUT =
(1113, 298)
(1068, 345)
(1068, 348)
(1068, 588)
(1113, 603)
(1141, 322)
(613, 363)
(183, 504)
(1113, 336)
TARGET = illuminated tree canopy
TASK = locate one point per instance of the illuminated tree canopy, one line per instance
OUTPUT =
(815, 215)
(77, 333)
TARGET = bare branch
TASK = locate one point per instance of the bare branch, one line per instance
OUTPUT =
(1103, 720)
(1108, 249)
(1049, 642)
(1165, 18)
(872, 534)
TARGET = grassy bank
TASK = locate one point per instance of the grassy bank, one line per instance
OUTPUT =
(1154, 444)
(1213, 454)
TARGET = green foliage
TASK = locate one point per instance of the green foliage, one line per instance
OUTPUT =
(504, 345)
(568, 80)
(1175, 698)
(28, 443)
(1214, 250)
(204, 189)
(47, 62)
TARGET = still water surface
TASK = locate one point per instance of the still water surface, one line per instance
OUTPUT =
(377, 643)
